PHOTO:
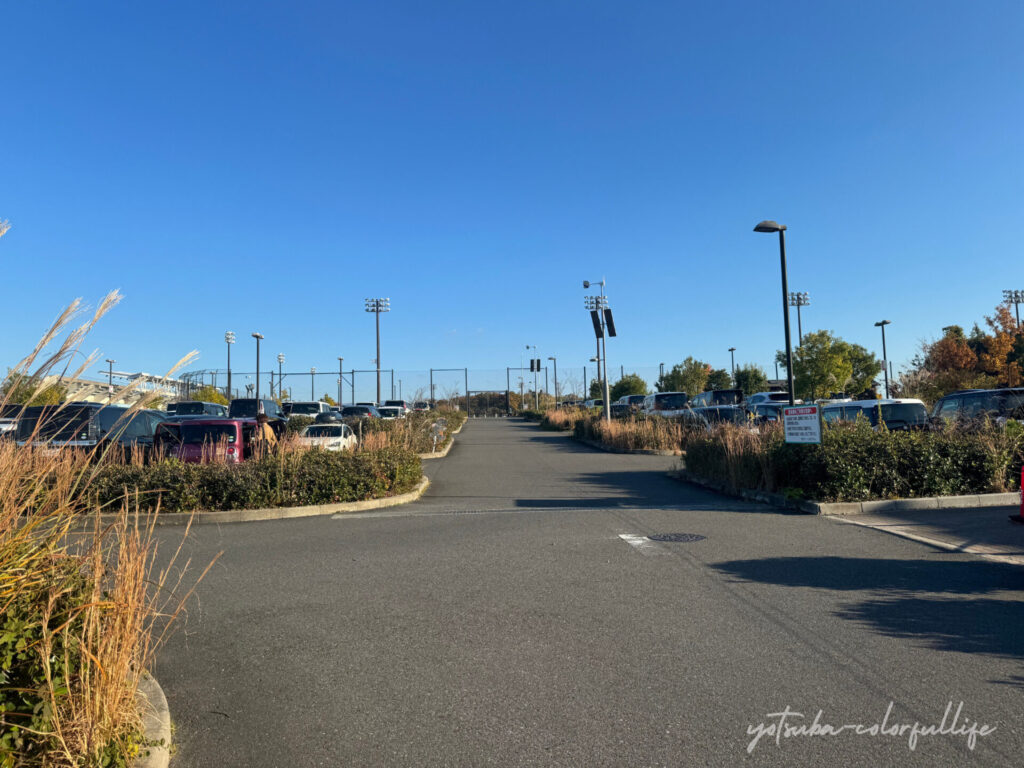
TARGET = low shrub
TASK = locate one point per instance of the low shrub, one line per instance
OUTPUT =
(563, 418)
(283, 479)
(415, 432)
(856, 463)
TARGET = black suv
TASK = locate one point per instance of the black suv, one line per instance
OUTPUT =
(250, 408)
(85, 425)
(970, 404)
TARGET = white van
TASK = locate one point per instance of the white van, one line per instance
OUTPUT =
(667, 404)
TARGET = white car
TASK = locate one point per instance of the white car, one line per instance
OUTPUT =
(330, 437)
(767, 397)
(391, 412)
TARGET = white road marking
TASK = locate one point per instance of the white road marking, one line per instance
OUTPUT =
(642, 544)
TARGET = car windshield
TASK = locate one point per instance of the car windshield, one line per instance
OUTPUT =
(421, 404)
(670, 402)
(190, 408)
(389, 411)
(897, 413)
(305, 409)
(243, 409)
(778, 397)
(207, 434)
(355, 410)
(323, 431)
(635, 399)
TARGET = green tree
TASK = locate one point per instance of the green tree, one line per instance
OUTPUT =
(596, 389)
(825, 364)
(209, 394)
(29, 390)
(719, 378)
(689, 376)
(751, 378)
(630, 384)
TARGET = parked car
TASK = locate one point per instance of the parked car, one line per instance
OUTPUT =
(391, 412)
(767, 412)
(199, 408)
(667, 404)
(635, 402)
(310, 408)
(593, 403)
(766, 397)
(330, 437)
(421, 405)
(897, 414)
(371, 405)
(717, 397)
(996, 404)
(250, 408)
(87, 425)
(359, 412)
(397, 404)
(203, 440)
(329, 417)
(621, 410)
(722, 414)
(9, 419)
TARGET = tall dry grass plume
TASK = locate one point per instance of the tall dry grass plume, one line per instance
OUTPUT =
(89, 607)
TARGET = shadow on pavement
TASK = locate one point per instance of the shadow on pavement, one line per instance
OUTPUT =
(655, 488)
(990, 627)
(956, 619)
(966, 577)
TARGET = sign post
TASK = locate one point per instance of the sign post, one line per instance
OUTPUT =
(802, 424)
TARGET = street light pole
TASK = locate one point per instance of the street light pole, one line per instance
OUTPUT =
(600, 305)
(312, 384)
(885, 357)
(280, 376)
(732, 353)
(536, 395)
(258, 337)
(555, 363)
(229, 339)
(771, 226)
(110, 379)
(341, 376)
(798, 300)
(1016, 298)
(377, 306)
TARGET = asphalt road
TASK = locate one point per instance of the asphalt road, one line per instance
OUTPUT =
(504, 620)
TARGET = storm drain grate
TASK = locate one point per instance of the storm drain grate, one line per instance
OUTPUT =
(679, 538)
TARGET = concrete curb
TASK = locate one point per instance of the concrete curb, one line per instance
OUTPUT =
(460, 427)
(281, 513)
(844, 508)
(968, 549)
(440, 454)
(156, 724)
(641, 451)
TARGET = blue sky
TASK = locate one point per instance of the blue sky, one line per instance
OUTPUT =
(267, 166)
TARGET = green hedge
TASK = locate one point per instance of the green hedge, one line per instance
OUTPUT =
(856, 463)
(296, 478)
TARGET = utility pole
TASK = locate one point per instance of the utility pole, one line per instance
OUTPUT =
(229, 338)
(341, 377)
(258, 337)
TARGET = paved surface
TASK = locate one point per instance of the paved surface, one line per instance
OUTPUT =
(505, 620)
(985, 531)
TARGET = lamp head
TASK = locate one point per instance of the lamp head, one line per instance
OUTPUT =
(769, 226)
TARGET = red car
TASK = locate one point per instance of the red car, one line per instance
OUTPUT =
(201, 440)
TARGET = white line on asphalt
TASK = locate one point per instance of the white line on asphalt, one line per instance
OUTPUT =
(642, 544)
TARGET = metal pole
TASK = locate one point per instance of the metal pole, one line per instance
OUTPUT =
(604, 358)
(229, 371)
(280, 380)
(341, 377)
(799, 325)
(885, 364)
(271, 383)
(554, 362)
(785, 311)
(377, 315)
(392, 383)
(586, 392)
(732, 354)
(547, 392)
(508, 391)
(257, 372)
(353, 374)
(432, 387)
(465, 373)
(312, 384)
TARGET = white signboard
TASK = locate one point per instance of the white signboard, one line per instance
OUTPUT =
(802, 423)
